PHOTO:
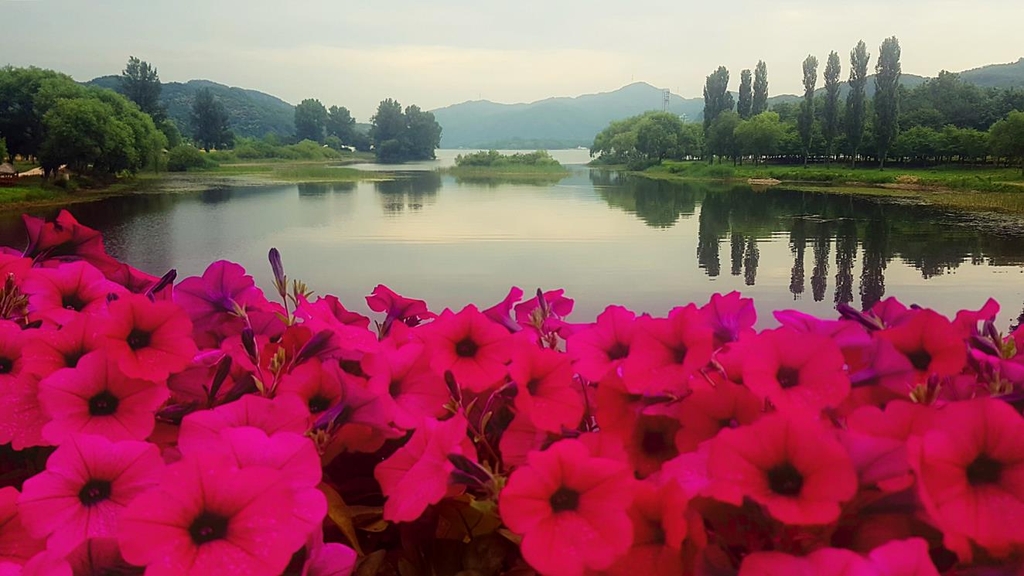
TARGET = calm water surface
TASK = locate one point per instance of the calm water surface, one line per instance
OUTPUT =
(604, 238)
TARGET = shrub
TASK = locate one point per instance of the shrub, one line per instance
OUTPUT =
(184, 157)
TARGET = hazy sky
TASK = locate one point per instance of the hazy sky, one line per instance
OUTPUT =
(355, 53)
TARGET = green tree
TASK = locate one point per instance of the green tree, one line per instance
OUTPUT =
(721, 138)
(140, 83)
(759, 101)
(887, 97)
(21, 119)
(831, 112)
(856, 100)
(745, 103)
(170, 131)
(1006, 138)
(84, 134)
(310, 121)
(658, 135)
(341, 125)
(210, 121)
(3, 150)
(422, 134)
(717, 98)
(805, 123)
(760, 136)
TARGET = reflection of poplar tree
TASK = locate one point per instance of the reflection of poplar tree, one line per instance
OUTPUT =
(750, 262)
(822, 246)
(797, 244)
(707, 248)
(872, 276)
(736, 244)
(846, 253)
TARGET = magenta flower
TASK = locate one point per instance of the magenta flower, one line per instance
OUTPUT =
(17, 546)
(12, 342)
(330, 559)
(51, 350)
(94, 556)
(328, 312)
(469, 344)
(148, 340)
(286, 414)
(570, 508)
(665, 352)
(208, 516)
(730, 316)
(87, 483)
(795, 371)
(416, 476)
(502, 311)
(97, 398)
(604, 346)
(65, 240)
(531, 313)
(58, 295)
(398, 308)
(213, 297)
(403, 378)
(547, 393)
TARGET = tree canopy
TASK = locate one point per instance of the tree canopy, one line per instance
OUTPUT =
(140, 83)
(1007, 138)
(856, 99)
(49, 116)
(311, 121)
(647, 139)
(745, 103)
(717, 98)
(210, 122)
(759, 102)
(403, 136)
(887, 97)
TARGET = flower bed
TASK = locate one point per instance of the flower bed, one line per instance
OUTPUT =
(198, 427)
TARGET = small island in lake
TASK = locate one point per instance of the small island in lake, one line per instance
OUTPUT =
(519, 167)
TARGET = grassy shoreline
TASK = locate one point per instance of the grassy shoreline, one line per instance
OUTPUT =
(33, 193)
(985, 189)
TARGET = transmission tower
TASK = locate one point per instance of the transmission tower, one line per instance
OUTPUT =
(666, 98)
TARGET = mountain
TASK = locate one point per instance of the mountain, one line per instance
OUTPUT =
(569, 121)
(250, 113)
(997, 75)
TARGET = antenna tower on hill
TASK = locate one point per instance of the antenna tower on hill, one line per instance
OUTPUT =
(665, 100)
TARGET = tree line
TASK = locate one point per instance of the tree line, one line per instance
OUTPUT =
(48, 116)
(942, 120)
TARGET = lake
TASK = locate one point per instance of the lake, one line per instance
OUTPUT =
(604, 237)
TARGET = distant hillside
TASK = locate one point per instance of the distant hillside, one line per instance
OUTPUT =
(250, 113)
(569, 121)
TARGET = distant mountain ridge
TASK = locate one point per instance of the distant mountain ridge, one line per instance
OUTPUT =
(575, 121)
(251, 113)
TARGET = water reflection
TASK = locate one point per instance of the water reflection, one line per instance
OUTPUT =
(605, 237)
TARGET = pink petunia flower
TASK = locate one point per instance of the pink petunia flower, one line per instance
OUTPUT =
(330, 559)
(17, 546)
(51, 350)
(793, 467)
(87, 483)
(711, 408)
(930, 341)
(469, 344)
(570, 508)
(403, 377)
(731, 317)
(94, 556)
(95, 397)
(148, 340)
(895, 558)
(285, 414)
(210, 300)
(604, 346)
(65, 240)
(315, 385)
(665, 352)
(660, 524)
(502, 311)
(398, 308)
(416, 475)
(208, 516)
(795, 371)
(12, 344)
(58, 295)
(969, 467)
(546, 390)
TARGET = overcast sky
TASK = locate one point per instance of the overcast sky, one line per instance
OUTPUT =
(354, 53)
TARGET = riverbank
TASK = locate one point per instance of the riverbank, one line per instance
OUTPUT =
(961, 188)
(513, 173)
(32, 192)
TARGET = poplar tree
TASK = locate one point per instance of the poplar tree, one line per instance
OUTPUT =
(745, 103)
(855, 100)
(887, 97)
(831, 128)
(805, 122)
(760, 100)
